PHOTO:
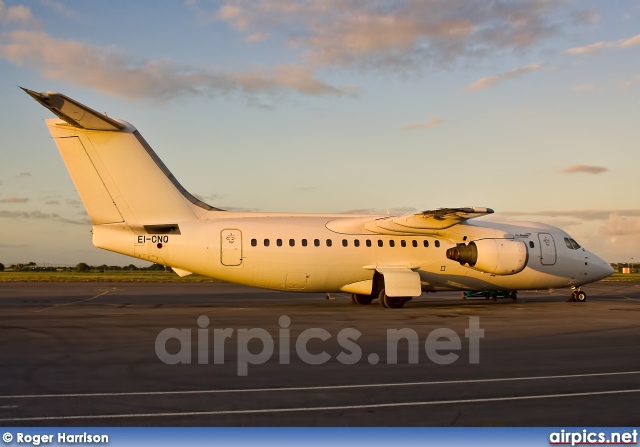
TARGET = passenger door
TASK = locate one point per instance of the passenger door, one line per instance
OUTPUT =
(547, 249)
(231, 247)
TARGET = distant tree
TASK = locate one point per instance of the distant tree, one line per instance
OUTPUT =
(156, 267)
(131, 267)
(1, 267)
(83, 267)
(103, 268)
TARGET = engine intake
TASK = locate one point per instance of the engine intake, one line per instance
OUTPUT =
(495, 256)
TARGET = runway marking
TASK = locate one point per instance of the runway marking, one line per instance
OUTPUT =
(327, 408)
(314, 388)
(77, 302)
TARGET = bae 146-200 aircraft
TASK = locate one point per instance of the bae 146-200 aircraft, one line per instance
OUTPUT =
(390, 258)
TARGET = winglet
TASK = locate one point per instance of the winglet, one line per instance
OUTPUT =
(74, 113)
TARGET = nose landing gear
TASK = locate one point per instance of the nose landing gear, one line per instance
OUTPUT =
(577, 295)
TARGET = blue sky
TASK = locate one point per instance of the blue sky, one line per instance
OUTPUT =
(530, 108)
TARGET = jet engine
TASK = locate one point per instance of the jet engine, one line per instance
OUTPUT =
(495, 256)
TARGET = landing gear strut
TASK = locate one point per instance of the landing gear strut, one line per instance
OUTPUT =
(577, 295)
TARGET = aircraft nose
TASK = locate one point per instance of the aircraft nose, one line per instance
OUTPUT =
(602, 269)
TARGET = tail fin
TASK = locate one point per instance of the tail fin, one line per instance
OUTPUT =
(118, 176)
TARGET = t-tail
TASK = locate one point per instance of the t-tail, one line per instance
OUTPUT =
(118, 176)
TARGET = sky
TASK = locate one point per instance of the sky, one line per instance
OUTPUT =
(529, 108)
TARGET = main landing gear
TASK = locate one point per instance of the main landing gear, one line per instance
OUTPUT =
(392, 302)
(395, 302)
(362, 300)
(577, 295)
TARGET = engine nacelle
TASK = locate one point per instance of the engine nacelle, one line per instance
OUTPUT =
(495, 256)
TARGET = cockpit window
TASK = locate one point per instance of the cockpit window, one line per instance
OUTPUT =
(570, 243)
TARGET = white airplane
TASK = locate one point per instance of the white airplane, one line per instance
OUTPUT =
(393, 258)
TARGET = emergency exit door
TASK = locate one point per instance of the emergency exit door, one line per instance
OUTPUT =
(231, 247)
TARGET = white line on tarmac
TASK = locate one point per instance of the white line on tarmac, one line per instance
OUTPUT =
(315, 388)
(76, 302)
(331, 408)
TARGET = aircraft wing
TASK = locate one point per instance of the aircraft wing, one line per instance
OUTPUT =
(426, 221)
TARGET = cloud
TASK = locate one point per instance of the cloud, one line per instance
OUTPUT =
(52, 202)
(60, 9)
(39, 215)
(600, 46)
(617, 225)
(583, 87)
(12, 246)
(578, 214)
(389, 211)
(585, 168)
(399, 35)
(24, 174)
(257, 37)
(490, 81)
(433, 122)
(19, 14)
(14, 200)
(119, 73)
(631, 82)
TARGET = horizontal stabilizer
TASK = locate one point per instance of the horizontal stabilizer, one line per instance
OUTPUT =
(74, 113)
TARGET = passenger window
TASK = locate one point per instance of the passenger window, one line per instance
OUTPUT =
(380, 243)
(266, 242)
(329, 242)
(403, 243)
(392, 243)
(425, 243)
(316, 242)
(531, 244)
(292, 242)
(437, 243)
(254, 242)
(567, 242)
(304, 242)
(279, 242)
(574, 243)
(344, 242)
(414, 243)
(356, 242)
(368, 242)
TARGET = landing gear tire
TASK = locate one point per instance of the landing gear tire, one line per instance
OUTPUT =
(578, 296)
(381, 299)
(392, 302)
(362, 300)
(514, 296)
